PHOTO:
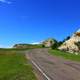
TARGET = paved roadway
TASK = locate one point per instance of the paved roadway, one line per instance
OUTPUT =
(52, 67)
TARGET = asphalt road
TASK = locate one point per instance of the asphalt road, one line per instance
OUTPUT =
(52, 67)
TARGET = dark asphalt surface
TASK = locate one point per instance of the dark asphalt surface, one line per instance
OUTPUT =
(54, 67)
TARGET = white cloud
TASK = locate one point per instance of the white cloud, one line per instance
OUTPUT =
(4, 46)
(5, 1)
(35, 43)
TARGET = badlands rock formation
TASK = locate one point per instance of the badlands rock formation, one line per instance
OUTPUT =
(49, 42)
(73, 44)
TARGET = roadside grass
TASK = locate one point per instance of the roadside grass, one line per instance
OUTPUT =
(65, 55)
(12, 49)
(14, 66)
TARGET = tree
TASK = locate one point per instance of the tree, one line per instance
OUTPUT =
(60, 43)
(55, 45)
(43, 46)
(67, 38)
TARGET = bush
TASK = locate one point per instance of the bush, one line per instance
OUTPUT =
(55, 45)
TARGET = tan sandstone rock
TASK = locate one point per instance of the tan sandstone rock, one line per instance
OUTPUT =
(49, 42)
(73, 44)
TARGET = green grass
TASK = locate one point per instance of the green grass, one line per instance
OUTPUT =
(14, 66)
(13, 49)
(65, 55)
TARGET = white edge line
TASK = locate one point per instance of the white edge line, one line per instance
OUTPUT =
(40, 70)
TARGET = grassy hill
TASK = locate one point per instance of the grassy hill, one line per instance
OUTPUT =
(27, 46)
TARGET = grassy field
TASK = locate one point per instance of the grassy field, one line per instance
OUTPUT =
(65, 55)
(14, 66)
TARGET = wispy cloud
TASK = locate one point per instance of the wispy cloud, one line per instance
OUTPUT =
(5, 1)
(35, 43)
(5, 46)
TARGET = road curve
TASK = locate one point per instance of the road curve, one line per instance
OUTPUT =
(52, 67)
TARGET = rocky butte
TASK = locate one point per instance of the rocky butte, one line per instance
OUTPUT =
(73, 44)
(49, 42)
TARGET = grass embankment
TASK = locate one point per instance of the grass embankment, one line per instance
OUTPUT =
(14, 66)
(65, 55)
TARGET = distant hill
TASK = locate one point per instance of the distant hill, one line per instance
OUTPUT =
(46, 43)
(27, 46)
(73, 44)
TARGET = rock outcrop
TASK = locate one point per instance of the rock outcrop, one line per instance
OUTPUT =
(73, 44)
(49, 42)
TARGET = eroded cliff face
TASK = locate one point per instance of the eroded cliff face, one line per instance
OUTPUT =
(73, 44)
(49, 42)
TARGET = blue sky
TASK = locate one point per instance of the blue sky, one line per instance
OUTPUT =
(28, 21)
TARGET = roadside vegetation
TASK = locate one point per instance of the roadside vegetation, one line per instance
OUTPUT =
(14, 66)
(59, 43)
(65, 55)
